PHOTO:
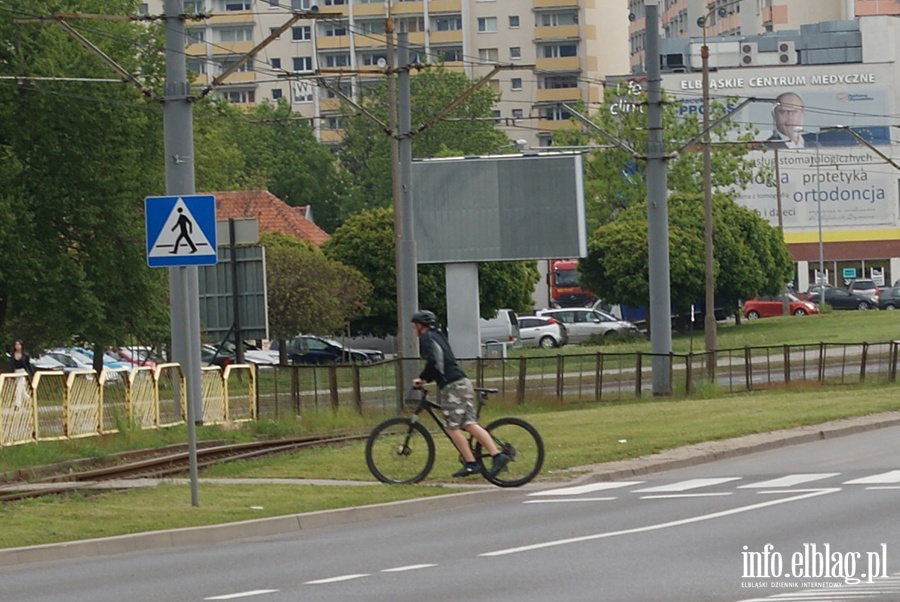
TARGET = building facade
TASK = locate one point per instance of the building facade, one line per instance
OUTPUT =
(572, 44)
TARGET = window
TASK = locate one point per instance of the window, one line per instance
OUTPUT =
(301, 33)
(277, 93)
(275, 63)
(487, 24)
(302, 63)
(237, 5)
(335, 2)
(272, 31)
(333, 123)
(196, 66)
(557, 19)
(448, 23)
(240, 96)
(489, 55)
(515, 52)
(371, 59)
(554, 51)
(196, 36)
(555, 113)
(496, 115)
(274, 3)
(301, 4)
(302, 91)
(409, 25)
(370, 27)
(192, 7)
(516, 83)
(236, 34)
(517, 114)
(335, 29)
(449, 55)
(337, 60)
(513, 21)
(246, 66)
(143, 9)
(553, 82)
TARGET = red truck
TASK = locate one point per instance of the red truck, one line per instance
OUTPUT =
(565, 290)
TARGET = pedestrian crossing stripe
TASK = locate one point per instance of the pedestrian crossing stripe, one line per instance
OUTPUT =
(181, 230)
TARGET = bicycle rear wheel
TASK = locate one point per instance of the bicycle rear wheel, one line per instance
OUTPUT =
(400, 451)
(521, 442)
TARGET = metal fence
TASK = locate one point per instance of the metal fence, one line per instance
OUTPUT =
(54, 405)
(588, 377)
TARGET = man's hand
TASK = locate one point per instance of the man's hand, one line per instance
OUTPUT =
(417, 383)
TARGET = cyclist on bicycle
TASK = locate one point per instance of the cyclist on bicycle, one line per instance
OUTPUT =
(455, 395)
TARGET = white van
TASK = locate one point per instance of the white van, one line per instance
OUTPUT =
(502, 328)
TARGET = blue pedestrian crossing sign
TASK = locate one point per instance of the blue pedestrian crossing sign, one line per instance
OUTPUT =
(181, 230)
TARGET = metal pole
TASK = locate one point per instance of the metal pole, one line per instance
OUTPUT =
(657, 214)
(822, 278)
(709, 311)
(235, 295)
(178, 142)
(407, 276)
(785, 306)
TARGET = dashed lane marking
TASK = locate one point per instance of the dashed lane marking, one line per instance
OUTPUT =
(589, 488)
(412, 567)
(337, 579)
(686, 485)
(789, 480)
(255, 592)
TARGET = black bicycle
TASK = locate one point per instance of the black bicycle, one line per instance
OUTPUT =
(401, 450)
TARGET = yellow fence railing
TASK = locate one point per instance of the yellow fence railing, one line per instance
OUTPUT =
(54, 405)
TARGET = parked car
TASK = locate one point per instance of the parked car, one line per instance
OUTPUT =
(48, 363)
(78, 361)
(502, 328)
(109, 360)
(213, 355)
(889, 298)
(812, 291)
(541, 331)
(767, 306)
(864, 287)
(840, 298)
(137, 356)
(310, 349)
(253, 354)
(581, 323)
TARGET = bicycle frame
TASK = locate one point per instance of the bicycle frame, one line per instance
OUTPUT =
(427, 405)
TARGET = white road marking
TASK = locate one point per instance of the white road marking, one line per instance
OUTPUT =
(685, 485)
(789, 480)
(656, 527)
(411, 567)
(885, 478)
(337, 579)
(673, 496)
(569, 500)
(256, 592)
(579, 489)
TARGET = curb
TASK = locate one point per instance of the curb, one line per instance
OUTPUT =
(692, 455)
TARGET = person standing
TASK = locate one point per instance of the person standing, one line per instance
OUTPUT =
(455, 394)
(20, 364)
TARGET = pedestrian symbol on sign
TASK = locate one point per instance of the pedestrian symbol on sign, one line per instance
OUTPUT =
(180, 231)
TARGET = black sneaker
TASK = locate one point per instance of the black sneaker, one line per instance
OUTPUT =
(468, 470)
(499, 462)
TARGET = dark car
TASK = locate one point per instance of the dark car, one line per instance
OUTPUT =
(839, 298)
(309, 349)
(889, 298)
(214, 355)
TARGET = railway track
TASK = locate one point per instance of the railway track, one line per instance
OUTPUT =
(156, 465)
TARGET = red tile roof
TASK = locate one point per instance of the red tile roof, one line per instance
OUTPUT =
(273, 214)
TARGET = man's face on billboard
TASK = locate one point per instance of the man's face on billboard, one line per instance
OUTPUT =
(789, 115)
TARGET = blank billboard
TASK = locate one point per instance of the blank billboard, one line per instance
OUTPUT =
(498, 208)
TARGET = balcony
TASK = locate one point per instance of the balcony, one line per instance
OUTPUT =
(568, 63)
(331, 136)
(232, 18)
(240, 77)
(329, 104)
(444, 6)
(196, 49)
(561, 32)
(407, 8)
(332, 42)
(537, 4)
(558, 95)
(369, 40)
(220, 48)
(446, 37)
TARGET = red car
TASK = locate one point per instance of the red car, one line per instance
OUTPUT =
(768, 306)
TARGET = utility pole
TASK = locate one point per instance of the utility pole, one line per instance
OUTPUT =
(184, 291)
(657, 215)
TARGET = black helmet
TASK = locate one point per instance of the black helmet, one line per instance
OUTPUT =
(425, 318)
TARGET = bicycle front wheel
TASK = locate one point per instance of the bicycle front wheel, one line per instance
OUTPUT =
(521, 442)
(400, 451)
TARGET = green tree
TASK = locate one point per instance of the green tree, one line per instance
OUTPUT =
(466, 130)
(79, 157)
(365, 241)
(750, 257)
(309, 293)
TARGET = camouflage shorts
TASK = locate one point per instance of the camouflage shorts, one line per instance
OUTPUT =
(456, 404)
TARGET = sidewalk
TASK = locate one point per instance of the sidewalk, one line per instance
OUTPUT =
(692, 455)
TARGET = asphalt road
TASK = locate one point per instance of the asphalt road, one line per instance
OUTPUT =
(822, 512)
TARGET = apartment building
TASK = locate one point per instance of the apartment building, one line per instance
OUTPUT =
(572, 44)
(679, 18)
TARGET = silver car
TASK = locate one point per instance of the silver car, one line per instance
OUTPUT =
(542, 331)
(582, 323)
